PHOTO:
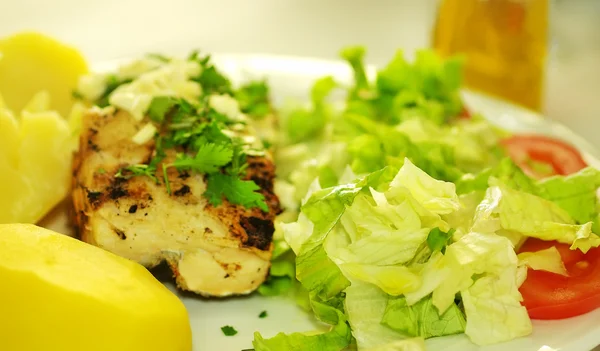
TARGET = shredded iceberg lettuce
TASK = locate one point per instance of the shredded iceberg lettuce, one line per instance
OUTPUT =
(403, 222)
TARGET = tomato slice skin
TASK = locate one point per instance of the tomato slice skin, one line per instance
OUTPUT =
(564, 158)
(551, 296)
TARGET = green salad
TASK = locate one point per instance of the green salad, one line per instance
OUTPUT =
(403, 221)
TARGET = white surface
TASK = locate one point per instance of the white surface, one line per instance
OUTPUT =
(108, 29)
(291, 77)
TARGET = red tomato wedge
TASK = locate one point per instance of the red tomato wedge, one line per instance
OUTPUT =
(551, 296)
(563, 158)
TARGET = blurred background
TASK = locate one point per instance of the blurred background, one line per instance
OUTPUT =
(550, 47)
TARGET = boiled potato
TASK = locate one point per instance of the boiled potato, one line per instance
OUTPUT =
(37, 76)
(35, 163)
(62, 294)
(32, 62)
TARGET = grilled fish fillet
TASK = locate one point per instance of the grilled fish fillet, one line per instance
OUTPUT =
(213, 251)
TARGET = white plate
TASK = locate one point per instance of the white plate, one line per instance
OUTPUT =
(292, 77)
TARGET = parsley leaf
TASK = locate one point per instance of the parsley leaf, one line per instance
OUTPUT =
(137, 170)
(160, 106)
(237, 191)
(211, 133)
(166, 178)
(254, 99)
(112, 83)
(159, 153)
(211, 80)
(437, 239)
(238, 160)
(263, 314)
(209, 158)
(228, 330)
(185, 111)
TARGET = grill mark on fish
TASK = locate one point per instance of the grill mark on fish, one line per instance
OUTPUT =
(117, 189)
(93, 146)
(94, 197)
(184, 190)
(120, 234)
(259, 231)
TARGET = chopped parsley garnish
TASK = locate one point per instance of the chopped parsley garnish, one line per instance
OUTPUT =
(208, 159)
(228, 330)
(137, 170)
(160, 106)
(166, 178)
(112, 83)
(198, 139)
(100, 171)
(263, 314)
(254, 99)
(211, 80)
(196, 133)
(237, 191)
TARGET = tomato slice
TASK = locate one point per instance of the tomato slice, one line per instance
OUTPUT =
(563, 158)
(551, 296)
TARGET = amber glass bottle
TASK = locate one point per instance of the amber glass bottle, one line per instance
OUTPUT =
(504, 43)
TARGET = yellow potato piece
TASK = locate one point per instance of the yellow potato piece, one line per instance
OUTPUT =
(40, 102)
(61, 294)
(35, 164)
(31, 62)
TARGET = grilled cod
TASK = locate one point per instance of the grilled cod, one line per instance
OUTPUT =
(212, 250)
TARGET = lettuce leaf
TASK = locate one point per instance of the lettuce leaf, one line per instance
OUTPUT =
(548, 260)
(365, 305)
(394, 279)
(388, 146)
(318, 274)
(422, 319)
(302, 124)
(462, 219)
(493, 309)
(474, 142)
(354, 55)
(435, 195)
(427, 88)
(282, 275)
(324, 208)
(447, 274)
(338, 338)
(381, 232)
(507, 209)
(576, 194)
(483, 269)
(505, 172)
